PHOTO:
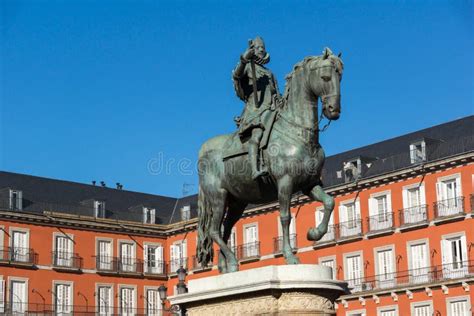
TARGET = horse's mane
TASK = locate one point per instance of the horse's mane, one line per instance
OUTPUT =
(300, 65)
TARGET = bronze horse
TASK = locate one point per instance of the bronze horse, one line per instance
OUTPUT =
(293, 157)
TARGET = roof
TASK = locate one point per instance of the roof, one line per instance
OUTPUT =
(43, 194)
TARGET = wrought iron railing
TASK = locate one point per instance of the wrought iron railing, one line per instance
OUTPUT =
(413, 277)
(449, 207)
(62, 259)
(175, 264)
(124, 265)
(414, 215)
(129, 265)
(154, 267)
(249, 250)
(349, 229)
(278, 243)
(18, 255)
(380, 222)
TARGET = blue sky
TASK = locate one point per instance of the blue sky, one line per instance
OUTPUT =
(105, 90)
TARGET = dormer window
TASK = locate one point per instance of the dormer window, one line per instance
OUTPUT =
(149, 215)
(352, 170)
(186, 213)
(418, 152)
(99, 209)
(16, 200)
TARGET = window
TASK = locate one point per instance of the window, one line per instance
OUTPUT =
(329, 262)
(331, 233)
(454, 256)
(251, 248)
(2, 295)
(148, 215)
(127, 301)
(232, 242)
(458, 306)
(292, 232)
(353, 271)
(419, 262)
(356, 313)
(418, 152)
(349, 219)
(154, 259)
(352, 170)
(385, 268)
(449, 196)
(20, 251)
(18, 296)
(186, 213)
(63, 256)
(105, 300)
(178, 253)
(16, 200)
(422, 308)
(99, 209)
(104, 255)
(380, 211)
(387, 311)
(413, 203)
(63, 299)
(153, 302)
(127, 257)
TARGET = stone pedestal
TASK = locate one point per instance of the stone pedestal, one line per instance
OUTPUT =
(302, 289)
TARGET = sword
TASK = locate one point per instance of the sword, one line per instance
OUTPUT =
(254, 78)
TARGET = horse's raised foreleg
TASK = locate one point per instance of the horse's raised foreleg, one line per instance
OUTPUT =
(285, 188)
(234, 212)
(218, 202)
(317, 194)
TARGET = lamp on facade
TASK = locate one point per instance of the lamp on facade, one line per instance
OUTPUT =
(162, 291)
(181, 287)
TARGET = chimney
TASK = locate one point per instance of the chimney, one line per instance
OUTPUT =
(119, 186)
(93, 182)
(102, 183)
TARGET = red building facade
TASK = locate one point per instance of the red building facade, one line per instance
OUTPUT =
(401, 235)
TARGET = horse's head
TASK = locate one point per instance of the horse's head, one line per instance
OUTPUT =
(324, 81)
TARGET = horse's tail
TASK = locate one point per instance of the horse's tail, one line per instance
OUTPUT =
(204, 243)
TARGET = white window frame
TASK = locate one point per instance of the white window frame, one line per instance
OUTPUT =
(454, 272)
(345, 256)
(97, 250)
(67, 259)
(9, 291)
(152, 212)
(413, 146)
(185, 213)
(98, 300)
(356, 312)
(251, 247)
(54, 297)
(333, 259)
(3, 253)
(146, 302)
(230, 243)
(177, 261)
(99, 209)
(134, 298)
(389, 308)
(159, 266)
(19, 199)
(24, 250)
(349, 165)
(422, 278)
(449, 300)
(3, 288)
(127, 264)
(420, 304)
(354, 227)
(292, 230)
(389, 281)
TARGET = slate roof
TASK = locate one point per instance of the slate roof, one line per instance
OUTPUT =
(40, 194)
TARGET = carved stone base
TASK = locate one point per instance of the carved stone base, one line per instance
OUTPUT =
(272, 290)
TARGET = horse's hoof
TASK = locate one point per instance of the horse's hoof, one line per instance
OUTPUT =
(313, 234)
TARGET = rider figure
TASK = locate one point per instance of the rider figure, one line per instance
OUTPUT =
(257, 106)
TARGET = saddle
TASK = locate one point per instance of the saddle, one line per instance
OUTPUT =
(236, 146)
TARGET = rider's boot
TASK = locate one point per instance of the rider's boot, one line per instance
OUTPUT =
(253, 156)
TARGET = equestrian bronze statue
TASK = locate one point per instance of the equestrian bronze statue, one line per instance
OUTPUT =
(274, 154)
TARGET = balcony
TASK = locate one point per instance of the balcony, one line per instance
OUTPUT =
(278, 244)
(328, 238)
(380, 224)
(414, 277)
(450, 209)
(67, 261)
(415, 216)
(17, 256)
(154, 269)
(175, 264)
(123, 266)
(249, 252)
(350, 229)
